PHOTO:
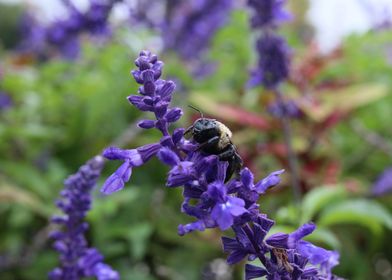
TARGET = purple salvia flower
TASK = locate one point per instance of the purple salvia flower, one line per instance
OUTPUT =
(62, 35)
(132, 158)
(273, 63)
(33, 34)
(76, 258)
(325, 259)
(190, 26)
(273, 52)
(383, 184)
(289, 241)
(225, 207)
(155, 95)
(210, 200)
(268, 13)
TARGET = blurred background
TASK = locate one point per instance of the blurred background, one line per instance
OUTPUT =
(63, 89)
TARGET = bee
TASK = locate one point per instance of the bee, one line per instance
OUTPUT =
(214, 138)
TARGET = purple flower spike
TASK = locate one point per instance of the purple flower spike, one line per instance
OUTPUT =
(77, 260)
(192, 24)
(208, 199)
(273, 64)
(63, 35)
(268, 13)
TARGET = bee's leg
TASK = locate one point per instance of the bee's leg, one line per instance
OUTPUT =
(227, 154)
(237, 163)
(188, 130)
(234, 160)
(210, 143)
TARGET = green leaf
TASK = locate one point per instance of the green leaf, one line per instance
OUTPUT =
(324, 236)
(138, 236)
(369, 214)
(318, 198)
(14, 195)
(344, 100)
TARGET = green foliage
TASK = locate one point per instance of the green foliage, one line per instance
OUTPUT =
(318, 199)
(359, 211)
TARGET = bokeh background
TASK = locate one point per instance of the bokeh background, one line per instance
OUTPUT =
(63, 100)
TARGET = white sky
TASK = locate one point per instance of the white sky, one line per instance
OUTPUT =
(333, 19)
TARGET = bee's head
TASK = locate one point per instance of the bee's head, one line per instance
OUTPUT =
(203, 124)
(200, 125)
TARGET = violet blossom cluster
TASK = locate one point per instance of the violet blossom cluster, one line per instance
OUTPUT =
(272, 49)
(212, 202)
(77, 260)
(383, 184)
(62, 35)
(189, 27)
(273, 52)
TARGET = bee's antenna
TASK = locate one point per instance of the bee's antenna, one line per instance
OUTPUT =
(194, 108)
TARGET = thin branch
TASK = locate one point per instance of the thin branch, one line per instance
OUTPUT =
(371, 137)
(128, 135)
(292, 157)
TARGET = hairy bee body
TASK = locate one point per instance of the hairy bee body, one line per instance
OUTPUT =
(215, 138)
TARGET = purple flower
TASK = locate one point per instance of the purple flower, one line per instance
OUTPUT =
(383, 185)
(268, 13)
(77, 260)
(33, 34)
(277, 253)
(225, 208)
(319, 256)
(289, 241)
(251, 192)
(132, 158)
(62, 35)
(155, 95)
(96, 17)
(190, 26)
(208, 199)
(273, 63)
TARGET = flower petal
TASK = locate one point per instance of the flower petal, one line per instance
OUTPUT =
(168, 157)
(271, 180)
(222, 216)
(252, 272)
(247, 178)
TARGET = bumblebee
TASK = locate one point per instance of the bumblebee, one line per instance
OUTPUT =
(214, 138)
